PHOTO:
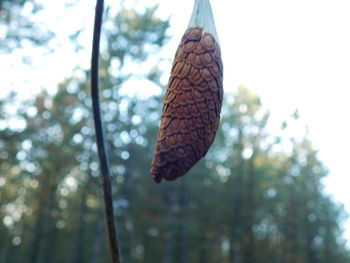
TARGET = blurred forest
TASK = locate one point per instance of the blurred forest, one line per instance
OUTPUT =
(256, 197)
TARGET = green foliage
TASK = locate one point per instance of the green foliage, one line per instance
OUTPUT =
(249, 200)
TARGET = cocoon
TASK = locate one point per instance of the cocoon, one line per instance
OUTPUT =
(192, 104)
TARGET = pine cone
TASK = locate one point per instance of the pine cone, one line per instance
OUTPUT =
(192, 105)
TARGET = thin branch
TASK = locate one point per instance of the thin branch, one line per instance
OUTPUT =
(107, 187)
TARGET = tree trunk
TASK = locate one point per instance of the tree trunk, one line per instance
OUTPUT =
(203, 247)
(171, 202)
(40, 219)
(237, 227)
(250, 213)
(52, 215)
(100, 232)
(182, 219)
(80, 235)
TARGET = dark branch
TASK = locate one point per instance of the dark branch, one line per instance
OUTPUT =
(107, 187)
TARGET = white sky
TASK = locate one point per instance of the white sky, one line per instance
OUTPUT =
(294, 54)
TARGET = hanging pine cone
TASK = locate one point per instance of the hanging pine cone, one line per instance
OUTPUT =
(192, 105)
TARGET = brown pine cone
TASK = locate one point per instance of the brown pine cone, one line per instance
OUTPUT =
(192, 105)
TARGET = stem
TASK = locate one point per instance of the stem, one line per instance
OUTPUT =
(107, 187)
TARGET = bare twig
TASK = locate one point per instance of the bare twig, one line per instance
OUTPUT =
(107, 188)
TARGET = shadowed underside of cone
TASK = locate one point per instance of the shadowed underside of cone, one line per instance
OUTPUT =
(192, 105)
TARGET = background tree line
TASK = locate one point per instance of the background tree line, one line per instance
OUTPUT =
(256, 197)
